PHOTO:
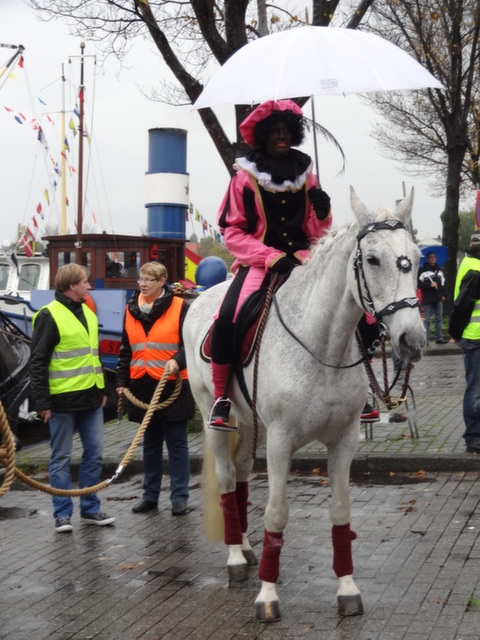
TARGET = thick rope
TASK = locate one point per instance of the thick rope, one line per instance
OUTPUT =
(7, 452)
(9, 459)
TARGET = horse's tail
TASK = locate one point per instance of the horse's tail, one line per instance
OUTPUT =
(212, 511)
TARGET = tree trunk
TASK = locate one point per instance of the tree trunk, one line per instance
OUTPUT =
(451, 219)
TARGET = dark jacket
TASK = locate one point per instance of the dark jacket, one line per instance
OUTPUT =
(143, 388)
(45, 338)
(426, 275)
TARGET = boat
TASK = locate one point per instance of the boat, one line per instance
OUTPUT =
(112, 260)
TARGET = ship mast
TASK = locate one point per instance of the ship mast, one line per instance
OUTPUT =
(81, 98)
(63, 161)
(10, 64)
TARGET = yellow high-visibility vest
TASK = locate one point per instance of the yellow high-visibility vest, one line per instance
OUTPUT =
(472, 330)
(75, 364)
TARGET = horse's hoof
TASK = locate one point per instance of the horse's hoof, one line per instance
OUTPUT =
(268, 611)
(350, 605)
(237, 573)
(250, 557)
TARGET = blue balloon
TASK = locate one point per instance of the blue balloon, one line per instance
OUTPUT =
(210, 271)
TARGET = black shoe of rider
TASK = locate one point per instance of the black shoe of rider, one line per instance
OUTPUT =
(220, 413)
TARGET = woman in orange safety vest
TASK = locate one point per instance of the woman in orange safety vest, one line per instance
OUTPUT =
(151, 343)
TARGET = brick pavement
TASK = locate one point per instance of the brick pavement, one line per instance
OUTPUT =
(154, 576)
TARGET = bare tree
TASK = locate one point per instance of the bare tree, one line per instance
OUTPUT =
(188, 34)
(436, 133)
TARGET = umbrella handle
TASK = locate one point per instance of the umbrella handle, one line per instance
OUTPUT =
(315, 141)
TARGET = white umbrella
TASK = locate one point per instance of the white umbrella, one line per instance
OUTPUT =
(308, 61)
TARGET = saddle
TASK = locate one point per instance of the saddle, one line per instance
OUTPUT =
(245, 334)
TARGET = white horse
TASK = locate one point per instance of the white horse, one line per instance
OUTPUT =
(305, 389)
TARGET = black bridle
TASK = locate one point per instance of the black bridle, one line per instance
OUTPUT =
(404, 264)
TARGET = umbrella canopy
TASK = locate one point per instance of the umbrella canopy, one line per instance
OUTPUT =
(438, 249)
(307, 61)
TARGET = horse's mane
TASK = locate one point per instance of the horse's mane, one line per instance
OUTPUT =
(321, 249)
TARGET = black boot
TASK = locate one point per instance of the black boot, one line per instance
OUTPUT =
(220, 415)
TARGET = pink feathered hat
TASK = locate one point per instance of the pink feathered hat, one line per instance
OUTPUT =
(247, 128)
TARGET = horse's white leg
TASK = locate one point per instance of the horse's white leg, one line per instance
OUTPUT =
(348, 595)
(233, 483)
(276, 516)
(243, 467)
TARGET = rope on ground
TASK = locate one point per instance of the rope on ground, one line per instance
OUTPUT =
(7, 451)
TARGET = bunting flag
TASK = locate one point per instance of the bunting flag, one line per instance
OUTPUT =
(66, 146)
(47, 196)
(41, 138)
(27, 245)
(20, 62)
(39, 208)
(197, 216)
(72, 126)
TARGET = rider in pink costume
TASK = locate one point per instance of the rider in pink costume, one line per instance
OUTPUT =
(272, 212)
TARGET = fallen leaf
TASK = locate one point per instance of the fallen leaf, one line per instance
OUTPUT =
(129, 566)
(418, 474)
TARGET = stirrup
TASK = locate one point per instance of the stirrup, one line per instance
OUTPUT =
(220, 421)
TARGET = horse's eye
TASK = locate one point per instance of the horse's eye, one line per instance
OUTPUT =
(375, 262)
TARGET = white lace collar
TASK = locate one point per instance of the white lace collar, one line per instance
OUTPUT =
(265, 179)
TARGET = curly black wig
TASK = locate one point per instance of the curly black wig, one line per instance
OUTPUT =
(294, 122)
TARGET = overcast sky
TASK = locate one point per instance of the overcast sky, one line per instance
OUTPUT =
(122, 118)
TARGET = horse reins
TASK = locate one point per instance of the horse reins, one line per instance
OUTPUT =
(261, 328)
(404, 264)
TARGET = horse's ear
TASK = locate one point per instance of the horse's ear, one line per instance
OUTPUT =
(403, 209)
(359, 209)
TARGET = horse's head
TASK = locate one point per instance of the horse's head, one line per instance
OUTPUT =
(385, 270)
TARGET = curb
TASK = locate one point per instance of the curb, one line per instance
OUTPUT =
(382, 465)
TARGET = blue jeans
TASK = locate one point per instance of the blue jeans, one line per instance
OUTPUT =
(89, 425)
(174, 433)
(471, 398)
(435, 309)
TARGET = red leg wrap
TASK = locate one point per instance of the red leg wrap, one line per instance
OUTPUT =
(220, 373)
(342, 549)
(269, 569)
(233, 531)
(241, 492)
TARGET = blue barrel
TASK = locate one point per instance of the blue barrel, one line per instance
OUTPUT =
(167, 184)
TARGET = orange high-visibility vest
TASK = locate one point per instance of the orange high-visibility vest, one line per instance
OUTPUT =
(151, 353)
